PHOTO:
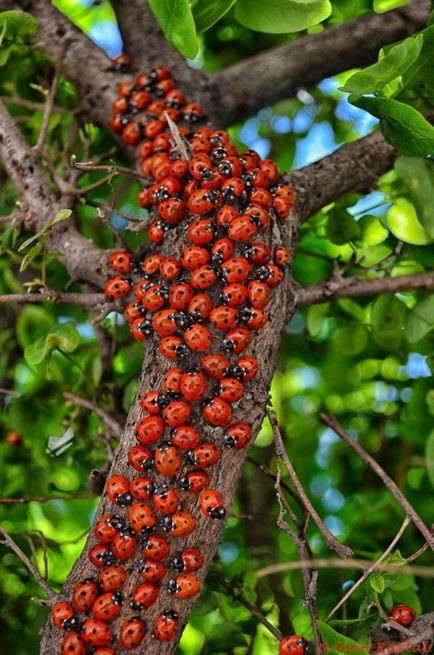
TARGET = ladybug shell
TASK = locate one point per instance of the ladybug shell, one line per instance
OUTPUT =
(177, 412)
(117, 287)
(145, 595)
(214, 366)
(182, 524)
(218, 412)
(121, 261)
(133, 311)
(163, 323)
(168, 347)
(180, 295)
(258, 293)
(136, 329)
(225, 216)
(152, 297)
(141, 516)
(131, 633)
(205, 455)
(231, 389)
(257, 319)
(403, 614)
(106, 607)
(259, 253)
(236, 269)
(152, 570)
(250, 367)
(185, 437)
(167, 460)
(112, 578)
(96, 632)
(292, 645)
(198, 338)
(282, 256)
(282, 206)
(238, 435)
(170, 269)
(141, 488)
(238, 339)
(223, 317)
(193, 386)
(172, 210)
(172, 380)
(123, 546)
(150, 429)
(61, 612)
(151, 265)
(234, 294)
(193, 257)
(188, 560)
(211, 504)
(155, 547)
(139, 457)
(275, 276)
(166, 502)
(165, 628)
(187, 586)
(194, 481)
(84, 595)
(200, 305)
(117, 486)
(203, 277)
(242, 228)
(201, 231)
(73, 644)
(148, 402)
(224, 248)
(99, 555)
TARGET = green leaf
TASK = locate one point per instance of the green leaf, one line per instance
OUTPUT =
(17, 26)
(388, 5)
(30, 256)
(61, 215)
(418, 175)
(337, 643)
(176, 20)
(403, 126)
(420, 320)
(403, 223)
(429, 452)
(377, 583)
(64, 337)
(281, 16)
(5, 52)
(223, 638)
(388, 318)
(341, 227)
(207, 12)
(9, 238)
(372, 232)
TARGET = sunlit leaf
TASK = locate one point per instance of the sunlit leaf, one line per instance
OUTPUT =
(420, 320)
(403, 222)
(61, 215)
(418, 174)
(281, 16)
(177, 22)
(207, 12)
(64, 336)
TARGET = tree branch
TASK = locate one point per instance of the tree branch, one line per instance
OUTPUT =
(111, 423)
(48, 295)
(45, 499)
(352, 287)
(273, 75)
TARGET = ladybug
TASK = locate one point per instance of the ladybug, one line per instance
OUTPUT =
(166, 501)
(73, 644)
(255, 319)
(217, 412)
(203, 201)
(211, 504)
(100, 555)
(131, 633)
(122, 63)
(187, 561)
(230, 167)
(193, 385)
(199, 145)
(104, 650)
(107, 528)
(242, 228)
(180, 524)
(170, 269)
(172, 380)
(237, 340)
(225, 216)
(179, 168)
(172, 210)
(282, 206)
(139, 328)
(258, 293)
(124, 545)
(180, 295)
(203, 277)
(121, 261)
(148, 402)
(117, 287)
(293, 645)
(257, 253)
(107, 606)
(199, 163)
(214, 366)
(167, 460)
(212, 179)
(198, 338)
(163, 323)
(118, 490)
(270, 169)
(223, 317)
(141, 488)
(150, 429)
(166, 626)
(200, 232)
(60, 613)
(261, 197)
(193, 112)
(204, 455)
(112, 578)
(156, 232)
(141, 517)
(185, 437)
(151, 265)
(160, 73)
(275, 276)
(200, 306)
(151, 570)
(236, 269)
(238, 435)
(155, 547)
(84, 595)
(218, 137)
(234, 294)
(193, 257)
(259, 216)
(194, 481)
(154, 298)
(139, 101)
(124, 89)
(169, 347)
(256, 179)
(177, 412)
(144, 596)
(282, 256)
(184, 586)
(140, 458)
(230, 389)
(284, 191)
(133, 311)
(221, 250)
(132, 133)
(250, 159)
(403, 614)
(154, 128)
(96, 632)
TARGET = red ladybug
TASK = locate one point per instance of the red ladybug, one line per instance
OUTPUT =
(255, 319)
(112, 578)
(124, 545)
(257, 253)
(140, 100)
(193, 386)
(156, 232)
(107, 528)
(105, 650)
(133, 311)
(282, 256)
(261, 197)
(167, 460)
(193, 257)
(121, 261)
(203, 277)
(236, 269)
(185, 437)
(200, 306)
(132, 133)
(285, 191)
(144, 197)
(270, 169)
(200, 232)
(141, 488)
(172, 380)
(184, 586)
(96, 632)
(170, 269)
(204, 455)
(203, 201)
(61, 612)
(84, 595)
(249, 367)
(166, 626)
(225, 216)
(155, 547)
(217, 412)
(100, 555)
(237, 340)
(151, 265)
(73, 644)
(169, 347)
(124, 89)
(139, 329)
(122, 63)
(180, 295)
(163, 323)
(150, 429)
(234, 294)
(293, 645)
(282, 206)
(177, 412)
(107, 606)
(144, 596)
(179, 168)
(211, 504)
(131, 633)
(250, 159)
(153, 298)
(193, 112)
(188, 561)
(258, 293)
(238, 435)
(214, 366)
(198, 338)
(148, 402)
(172, 210)
(221, 250)
(180, 524)
(141, 516)
(403, 614)
(275, 276)
(151, 570)
(230, 167)
(118, 490)
(223, 317)
(242, 229)
(230, 389)
(140, 458)
(166, 501)
(194, 481)
(117, 287)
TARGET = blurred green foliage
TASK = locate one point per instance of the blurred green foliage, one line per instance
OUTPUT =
(366, 360)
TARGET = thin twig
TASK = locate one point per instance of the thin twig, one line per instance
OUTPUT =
(49, 295)
(10, 543)
(112, 424)
(106, 220)
(30, 104)
(107, 179)
(372, 568)
(108, 208)
(113, 169)
(336, 563)
(45, 499)
(332, 423)
(48, 110)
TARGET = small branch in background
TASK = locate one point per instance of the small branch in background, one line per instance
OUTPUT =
(420, 551)
(108, 208)
(45, 499)
(112, 169)
(372, 568)
(108, 420)
(7, 540)
(105, 218)
(336, 563)
(107, 179)
(270, 474)
(332, 423)
(48, 110)
(30, 104)
(48, 295)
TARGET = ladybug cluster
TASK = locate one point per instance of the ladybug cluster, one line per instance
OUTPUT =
(202, 308)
